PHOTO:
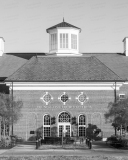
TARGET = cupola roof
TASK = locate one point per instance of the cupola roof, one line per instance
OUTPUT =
(62, 24)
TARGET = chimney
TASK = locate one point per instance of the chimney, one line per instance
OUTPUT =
(1, 46)
(125, 40)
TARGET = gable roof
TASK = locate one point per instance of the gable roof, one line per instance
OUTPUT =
(62, 24)
(54, 69)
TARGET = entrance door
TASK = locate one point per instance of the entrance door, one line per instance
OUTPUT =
(65, 127)
(64, 124)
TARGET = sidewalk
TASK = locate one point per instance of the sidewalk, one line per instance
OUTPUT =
(98, 148)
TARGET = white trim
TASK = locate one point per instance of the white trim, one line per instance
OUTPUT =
(64, 88)
(65, 83)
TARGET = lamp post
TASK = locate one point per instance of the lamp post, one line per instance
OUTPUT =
(63, 135)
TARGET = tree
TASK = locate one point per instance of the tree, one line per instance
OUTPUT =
(118, 114)
(10, 109)
(92, 132)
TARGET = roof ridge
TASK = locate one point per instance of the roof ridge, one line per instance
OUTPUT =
(108, 67)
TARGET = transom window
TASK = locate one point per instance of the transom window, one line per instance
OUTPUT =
(63, 40)
(47, 120)
(82, 120)
(53, 41)
(64, 117)
(74, 41)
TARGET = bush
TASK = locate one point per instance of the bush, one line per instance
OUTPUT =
(57, 140)
(32, 138)
(5, 142)
(52, 140)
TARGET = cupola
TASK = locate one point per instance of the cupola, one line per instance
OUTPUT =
(64, 39)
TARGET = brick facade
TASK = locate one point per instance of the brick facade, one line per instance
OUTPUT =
(34, 109)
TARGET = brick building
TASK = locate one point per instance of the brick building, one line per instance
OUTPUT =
(63, 85)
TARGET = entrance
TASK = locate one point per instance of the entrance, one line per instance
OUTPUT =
(64, 125)
(66, 128)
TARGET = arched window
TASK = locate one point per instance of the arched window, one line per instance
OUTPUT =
(82, 125)
(47, 120)
(82, 120)
(47, 127)
(64, 117)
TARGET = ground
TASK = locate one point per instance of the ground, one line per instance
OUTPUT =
(99, 151)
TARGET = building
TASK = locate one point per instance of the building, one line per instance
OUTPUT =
(64, 85)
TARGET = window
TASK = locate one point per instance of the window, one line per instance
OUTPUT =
(46, 131)
(121, 96)
(82, 124)
(64, 98)
(82, 98)
(4, 128)
(64, 117)
(47, 98)
(73, 41)
(82, 120)
(63, 40)
(47, 128)
(46, 120)
(53, 44)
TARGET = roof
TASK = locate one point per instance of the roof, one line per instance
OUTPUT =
(54, 69)
(10, 62)
(117, 62)
(62, 24)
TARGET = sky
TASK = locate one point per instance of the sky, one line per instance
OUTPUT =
(104, 23)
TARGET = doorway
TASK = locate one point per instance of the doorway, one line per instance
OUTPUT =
(64, 124)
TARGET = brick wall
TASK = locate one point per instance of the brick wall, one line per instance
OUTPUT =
(34, 109)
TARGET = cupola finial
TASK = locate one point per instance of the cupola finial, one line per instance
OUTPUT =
(63, 19)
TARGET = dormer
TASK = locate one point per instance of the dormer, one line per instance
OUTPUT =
(64, 39)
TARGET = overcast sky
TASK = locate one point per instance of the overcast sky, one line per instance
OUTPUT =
(23, 23)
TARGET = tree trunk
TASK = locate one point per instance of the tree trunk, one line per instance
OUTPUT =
(115, 131)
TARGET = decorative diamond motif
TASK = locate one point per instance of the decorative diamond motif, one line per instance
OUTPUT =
(47, 98)
(82, 98)
(64, 98)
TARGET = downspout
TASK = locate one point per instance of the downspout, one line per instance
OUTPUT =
(115, 102)
(12, 108)
(115, 92)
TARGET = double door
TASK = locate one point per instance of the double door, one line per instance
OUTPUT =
(64, 129)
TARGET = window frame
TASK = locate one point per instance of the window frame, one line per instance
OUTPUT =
(53, 41)
(82, 125)
(74, 41)
(64, 40)
(47, 126)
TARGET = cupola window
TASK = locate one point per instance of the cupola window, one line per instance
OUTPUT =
(74, 41)
(63, 40)
(53, 44)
